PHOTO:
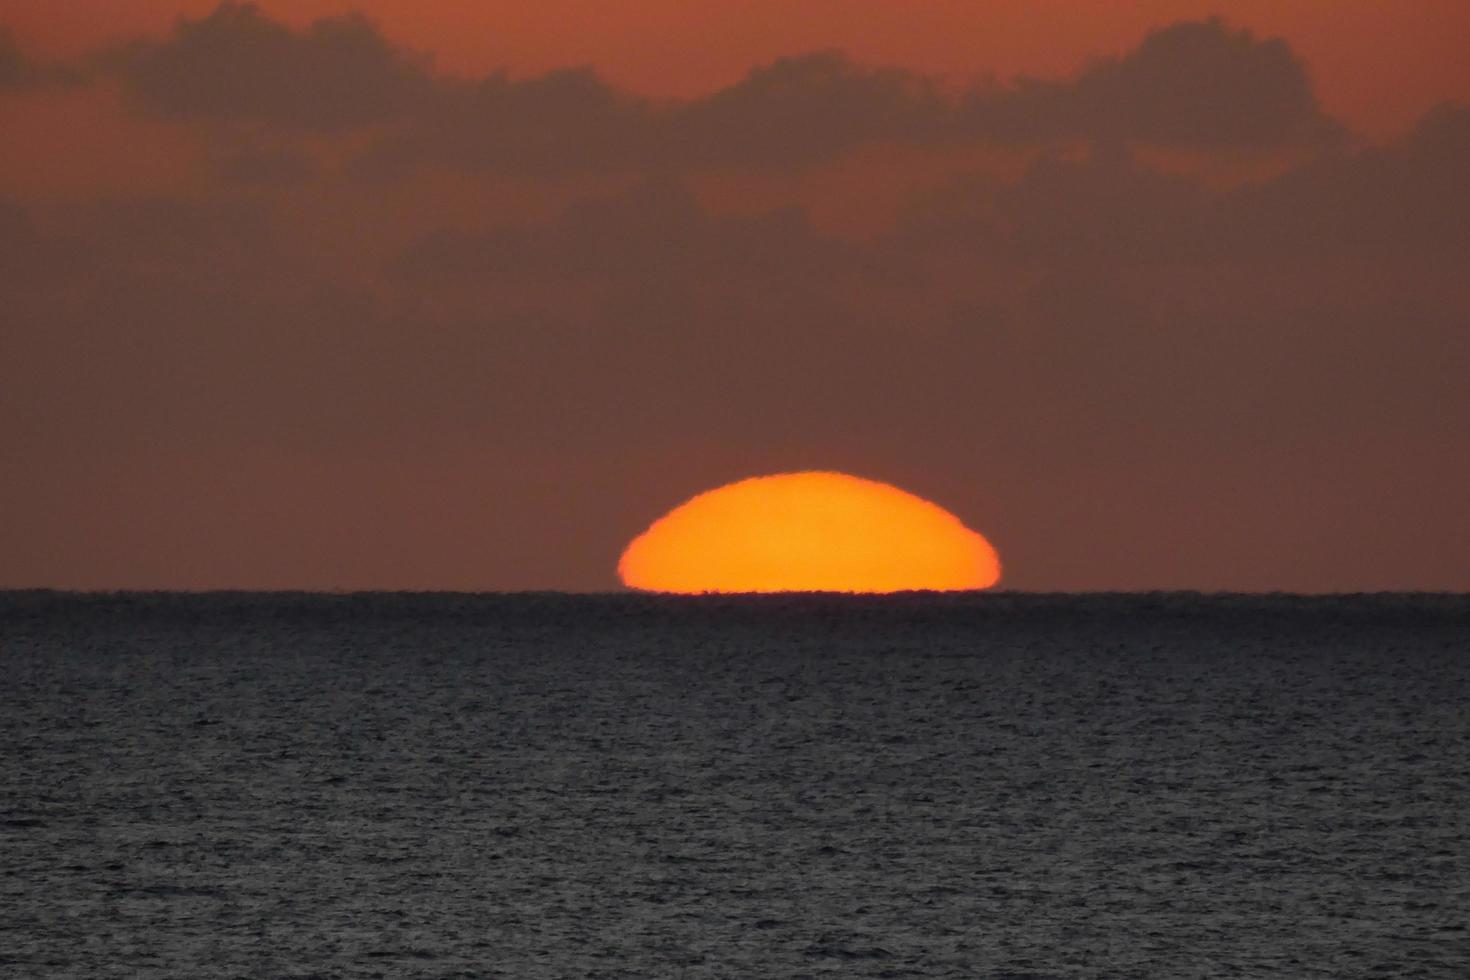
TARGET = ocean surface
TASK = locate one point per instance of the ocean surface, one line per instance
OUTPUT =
(984, 786)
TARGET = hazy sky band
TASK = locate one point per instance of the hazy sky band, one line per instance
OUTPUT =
(289, 306)
(1376, 65)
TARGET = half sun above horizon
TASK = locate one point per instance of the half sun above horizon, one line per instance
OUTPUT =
(808, 532)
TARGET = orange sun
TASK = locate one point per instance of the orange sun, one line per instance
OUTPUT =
(808, 532)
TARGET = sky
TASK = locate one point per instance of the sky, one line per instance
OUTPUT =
(462, 296)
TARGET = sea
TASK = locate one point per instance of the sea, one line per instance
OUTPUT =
(992, 785)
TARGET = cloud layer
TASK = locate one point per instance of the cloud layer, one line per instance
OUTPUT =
(1192, 84)
(1158, 324)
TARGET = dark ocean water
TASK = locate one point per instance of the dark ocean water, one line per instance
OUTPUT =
(625, 786)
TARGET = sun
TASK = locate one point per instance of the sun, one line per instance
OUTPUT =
(808, 532)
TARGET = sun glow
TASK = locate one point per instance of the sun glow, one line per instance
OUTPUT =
(808, 532)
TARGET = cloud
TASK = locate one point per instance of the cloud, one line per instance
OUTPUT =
(1192, 84)
(1090, 338)
(566, 121)
(1104, 207)
(182, 324)
(1405, 198)
(1408, 196)
(14, 69)
(18, 71)
(795, 112)
(1094, 294)
(805, 109)
(1094, 299)
(260, 165)
(656, 232)
(236, 64)
(1205, 84)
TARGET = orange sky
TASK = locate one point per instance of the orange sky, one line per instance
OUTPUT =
(1378, 65)
(1202, 343)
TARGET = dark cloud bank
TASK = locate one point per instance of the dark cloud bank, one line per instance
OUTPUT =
(19, 72)
(1193, 84)
(1130, 377)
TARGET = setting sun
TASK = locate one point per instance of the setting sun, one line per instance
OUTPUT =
(808, 532)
